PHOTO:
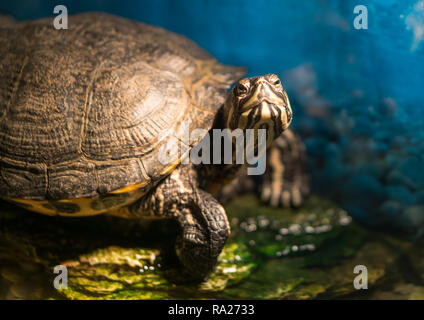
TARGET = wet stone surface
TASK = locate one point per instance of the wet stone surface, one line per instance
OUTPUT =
(272, 253)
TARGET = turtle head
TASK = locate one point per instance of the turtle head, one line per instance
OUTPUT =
(259, 103)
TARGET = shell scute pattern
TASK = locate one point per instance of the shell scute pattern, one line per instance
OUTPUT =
(82, 132)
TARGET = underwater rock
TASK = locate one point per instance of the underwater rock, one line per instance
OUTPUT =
(301, 77)
(413, 216)
(332, 151)
(357, 150)
(420, 197)
(316, 146)
(335, 171)
(308, 126)
(364, 190)
(342, 123)
(399, 142)
(387, 107)
(317, 107)
(374, 169)
(389, 208)
(400, 194)
(392, 159)
(363, 126)
(381, 147)
(384, 135)
(410, 173)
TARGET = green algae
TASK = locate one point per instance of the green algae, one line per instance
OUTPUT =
(304, 253)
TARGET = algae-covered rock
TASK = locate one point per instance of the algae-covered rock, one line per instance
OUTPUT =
(272, 253)
(117, 273)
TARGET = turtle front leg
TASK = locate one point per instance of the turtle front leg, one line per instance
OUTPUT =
(203, 221)
(286, 181)
(205, 230)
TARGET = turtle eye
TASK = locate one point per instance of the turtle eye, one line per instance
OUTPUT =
(241, 88)
(277, 83)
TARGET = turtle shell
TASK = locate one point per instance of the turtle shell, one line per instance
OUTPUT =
(85, 111)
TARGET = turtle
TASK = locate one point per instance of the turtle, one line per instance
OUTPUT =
(87, 112)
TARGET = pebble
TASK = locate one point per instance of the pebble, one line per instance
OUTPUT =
(363, 189)
(401, 194)
(420, 197)
(390, 208)
(414, 216)
(410, 173)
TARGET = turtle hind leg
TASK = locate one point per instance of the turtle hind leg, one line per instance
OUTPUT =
(286, 181)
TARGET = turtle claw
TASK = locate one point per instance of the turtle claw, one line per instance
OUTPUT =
(285, 182)
(284, 196)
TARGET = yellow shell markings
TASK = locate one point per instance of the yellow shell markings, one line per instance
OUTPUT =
(112, 202)
(131, 188)
(80, 207)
